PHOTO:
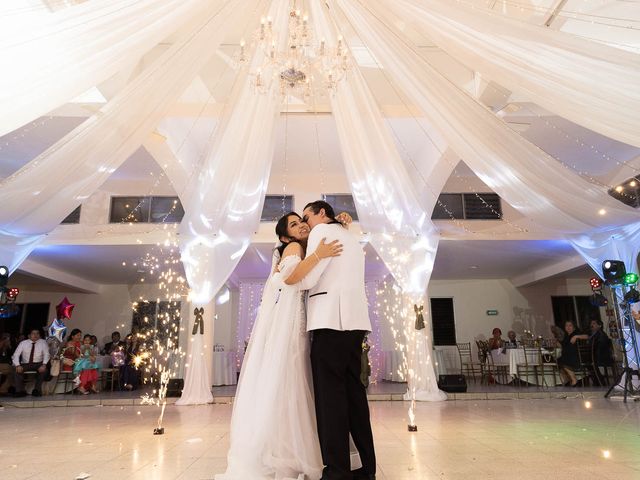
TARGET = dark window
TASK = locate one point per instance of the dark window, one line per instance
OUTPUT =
(11, 316)
(628, 192)
(129, 209)
(36, 316)
(467, 206)
(563, 310)
(443, 321)
(73, 217)
(342, 202)
(166, 210)
(575, 309)
(482, 206)
(275, 206)
(22, 317)
(448, 205)
(586, 312)
(157, 321)
(146, 210)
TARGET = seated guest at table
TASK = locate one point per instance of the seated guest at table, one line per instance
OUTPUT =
(496, 342)
(129, 373)
(31, 355)
(113, 344)
(513, 341)
(86, 367)
(94, 344)
(569, 361)
(6, 369)
(601, 347)
(72, 350)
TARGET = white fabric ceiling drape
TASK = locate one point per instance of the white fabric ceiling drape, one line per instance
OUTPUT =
(61, 55)
(224, 201)
(38, 196)
(589, 83)
(529, 179)
(389, 209)
(622, 243)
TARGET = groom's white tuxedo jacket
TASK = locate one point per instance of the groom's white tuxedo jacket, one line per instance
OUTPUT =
(337, 299)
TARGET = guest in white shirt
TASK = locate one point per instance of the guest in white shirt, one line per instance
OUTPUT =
(31, 355)
(513, 340)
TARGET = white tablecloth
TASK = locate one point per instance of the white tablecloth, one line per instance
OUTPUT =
(104, 361)
(394, 370)
(224, 368)
(515, 356)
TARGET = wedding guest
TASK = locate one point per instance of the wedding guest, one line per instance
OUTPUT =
(113, 344)
(6, 370)
(72, 350)
(569, 360)
(94, 344)
(86, 367)
(602, 349)
(496, 342)
(129, 374)
(31, 355)
(513, 341)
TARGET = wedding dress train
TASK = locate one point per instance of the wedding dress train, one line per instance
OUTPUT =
(273, 431)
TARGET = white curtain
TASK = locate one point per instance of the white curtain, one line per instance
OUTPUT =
(389, 209)
(38, 196)
(14, 249)
(51, 58)
(224, 201)
(529, 179)
(589, 83)
(250, 297)
(374, 339)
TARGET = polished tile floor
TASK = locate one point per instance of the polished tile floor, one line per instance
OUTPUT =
(493, 439)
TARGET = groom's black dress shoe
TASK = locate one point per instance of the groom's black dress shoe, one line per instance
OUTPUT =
(360, 475)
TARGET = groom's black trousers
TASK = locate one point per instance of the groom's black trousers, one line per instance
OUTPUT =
(341, 402)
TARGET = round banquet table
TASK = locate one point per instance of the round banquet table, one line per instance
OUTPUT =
(393, 369)
(514, 356)
(224, 368)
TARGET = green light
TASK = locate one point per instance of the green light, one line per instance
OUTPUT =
(631, 278)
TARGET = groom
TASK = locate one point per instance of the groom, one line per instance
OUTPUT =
(337, 314)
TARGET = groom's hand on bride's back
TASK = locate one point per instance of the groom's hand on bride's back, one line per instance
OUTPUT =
(326, 250)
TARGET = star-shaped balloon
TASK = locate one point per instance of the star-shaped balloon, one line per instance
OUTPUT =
(57, 329)
(64, 308)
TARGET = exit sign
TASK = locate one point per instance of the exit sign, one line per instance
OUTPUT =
(492, 312)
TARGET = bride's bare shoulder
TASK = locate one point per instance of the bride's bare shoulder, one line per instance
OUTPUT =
(294, 248)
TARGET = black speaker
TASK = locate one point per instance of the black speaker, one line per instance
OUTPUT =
(613, 272)
(175, 387)
(452, 383)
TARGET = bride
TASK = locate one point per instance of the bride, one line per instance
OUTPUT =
(273, 425)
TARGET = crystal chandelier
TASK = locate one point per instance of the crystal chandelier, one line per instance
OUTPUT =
(301, 64)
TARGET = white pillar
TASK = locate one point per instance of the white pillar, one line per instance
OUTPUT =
(198, 378)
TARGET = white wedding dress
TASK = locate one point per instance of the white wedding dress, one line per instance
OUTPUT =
(273, 425)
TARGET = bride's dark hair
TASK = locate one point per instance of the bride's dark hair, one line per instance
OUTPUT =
(282, 230)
